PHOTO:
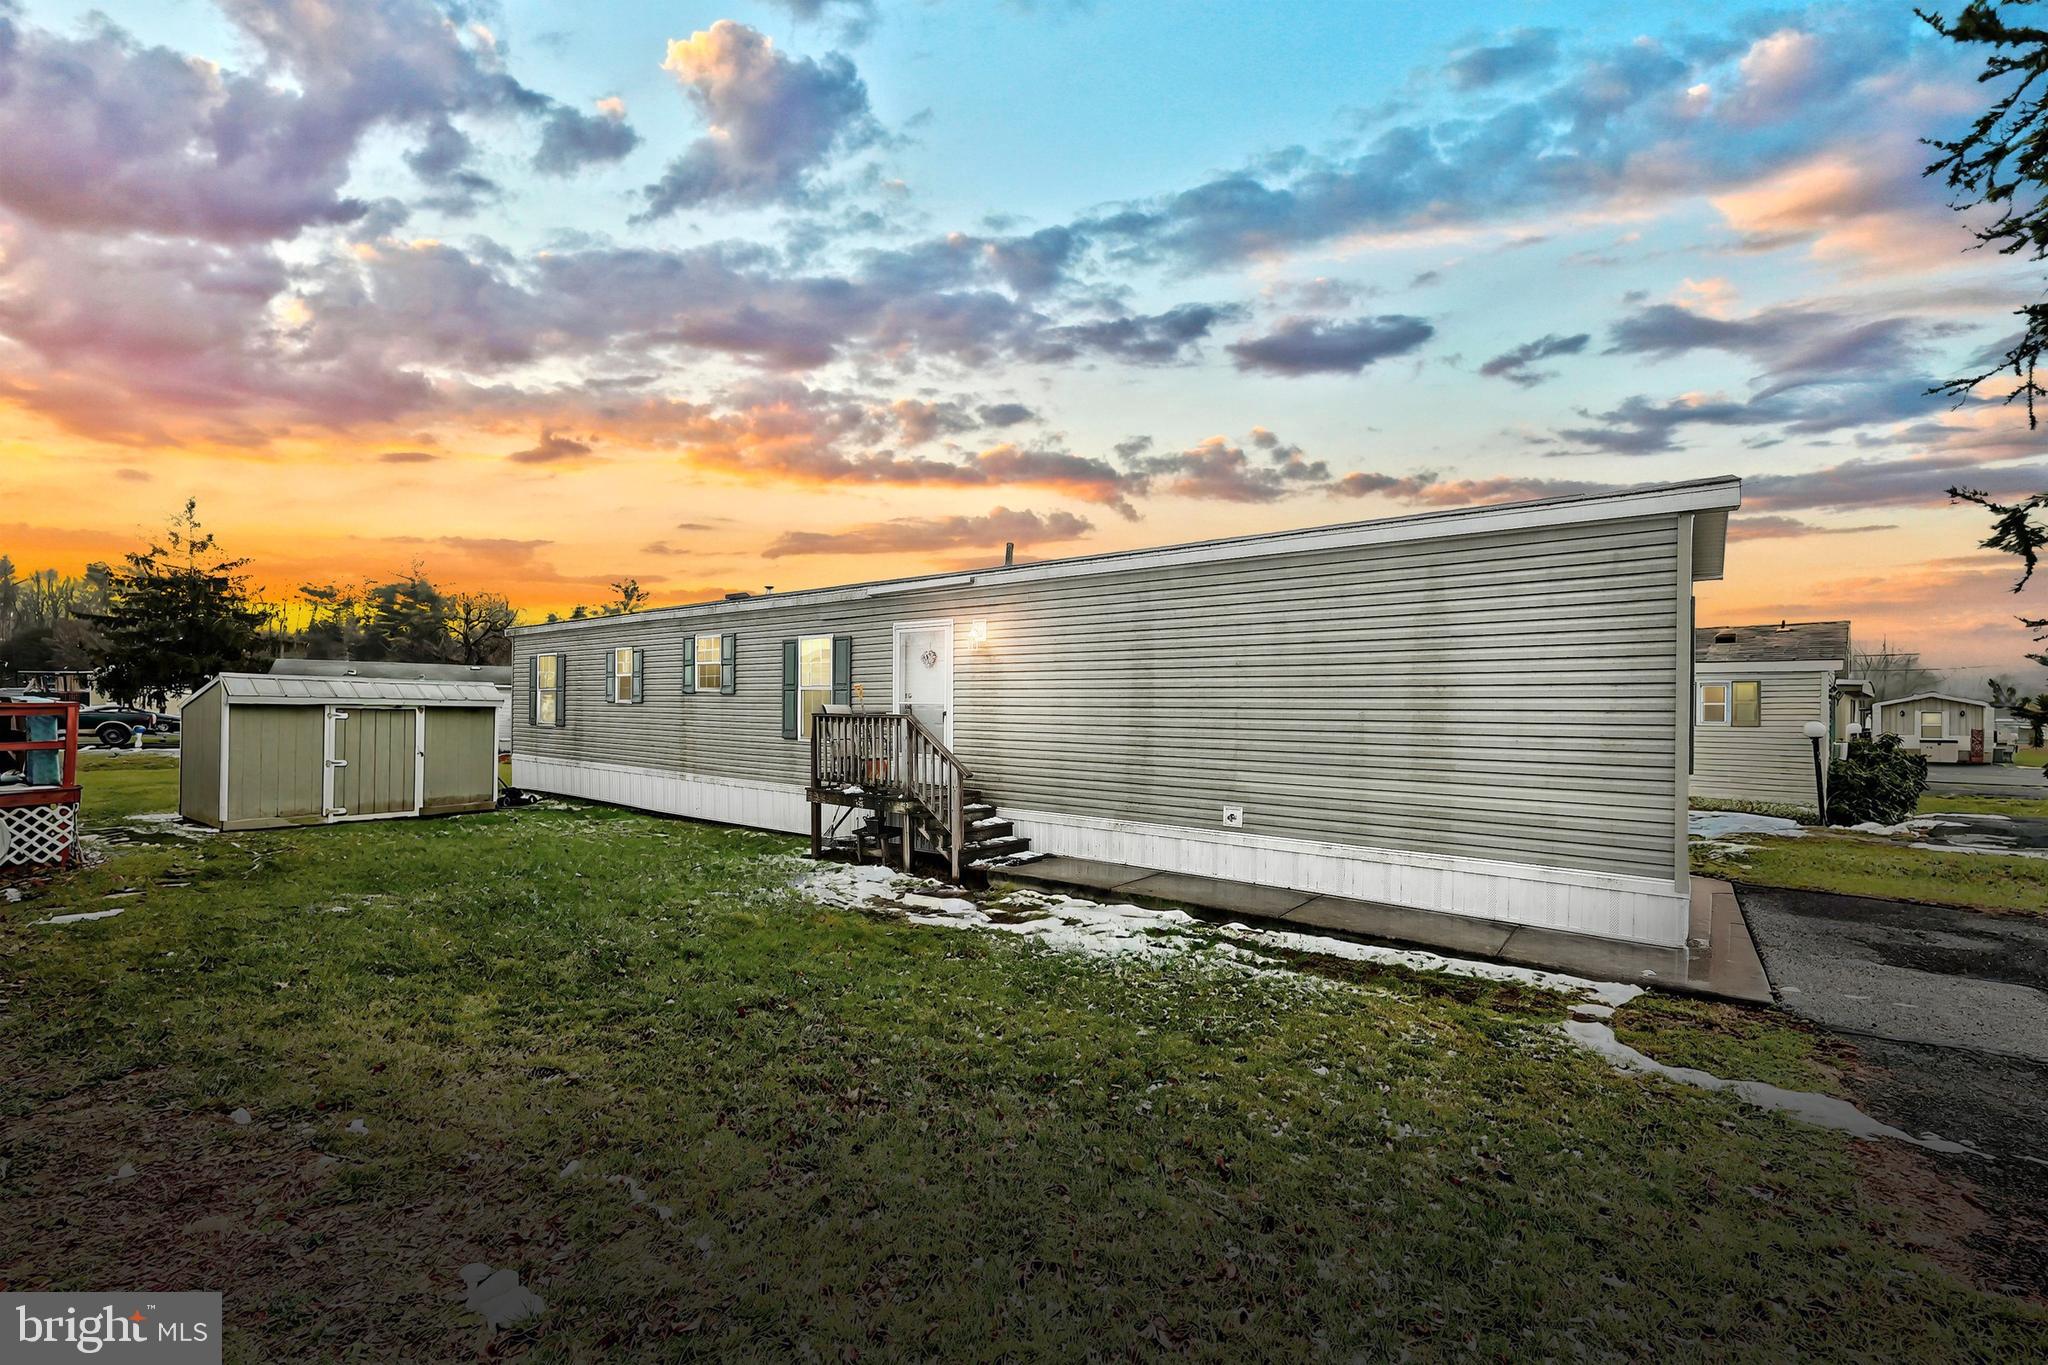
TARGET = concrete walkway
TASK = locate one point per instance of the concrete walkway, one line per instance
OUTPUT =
(1725, 965)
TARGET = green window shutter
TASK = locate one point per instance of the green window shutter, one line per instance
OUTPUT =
(533, 690)
(561, 691)
(842, 670)
(639, 675)
(728, 664)
(789, 677)
(689, 664)
(1745, 705)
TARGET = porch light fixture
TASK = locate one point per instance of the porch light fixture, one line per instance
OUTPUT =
(977, 633)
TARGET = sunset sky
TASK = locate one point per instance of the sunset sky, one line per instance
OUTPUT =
(812, 291)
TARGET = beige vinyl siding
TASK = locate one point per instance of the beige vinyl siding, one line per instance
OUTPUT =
(1771, 760)
(199, 758)
(1505, 696)
(462, 760)
(275, 758)
(1902, 718)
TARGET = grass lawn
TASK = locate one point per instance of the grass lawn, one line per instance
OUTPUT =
(1858, 865)
(1942, 803)
(2032, 758)
(702, 1116)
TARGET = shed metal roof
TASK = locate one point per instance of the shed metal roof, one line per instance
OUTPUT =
(1785, 642)
(270, 689)
(501, 674)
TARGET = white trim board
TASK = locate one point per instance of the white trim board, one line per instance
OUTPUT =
(1717, 670)
(1705, 495)
(1610, 905)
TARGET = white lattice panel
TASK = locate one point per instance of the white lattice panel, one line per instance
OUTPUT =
(38, 836)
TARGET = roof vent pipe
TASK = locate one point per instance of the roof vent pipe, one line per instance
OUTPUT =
(1009, 553)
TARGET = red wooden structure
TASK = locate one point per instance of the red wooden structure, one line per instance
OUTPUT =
(39, 819)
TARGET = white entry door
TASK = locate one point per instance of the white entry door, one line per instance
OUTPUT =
(924, 674)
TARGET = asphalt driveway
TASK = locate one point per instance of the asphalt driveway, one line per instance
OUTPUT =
(1906, 972)
(1948, 1012)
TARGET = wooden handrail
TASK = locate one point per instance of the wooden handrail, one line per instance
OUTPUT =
(893, 755)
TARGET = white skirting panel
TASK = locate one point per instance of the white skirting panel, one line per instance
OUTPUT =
(726, 800)
(1636, 909)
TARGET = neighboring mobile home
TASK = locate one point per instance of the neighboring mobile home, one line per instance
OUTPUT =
(1755, 689)
(1945, 727)
(1483, 712)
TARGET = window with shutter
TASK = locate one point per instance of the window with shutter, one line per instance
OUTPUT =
(547, 690)
(708, 651)
(728, 660)
(689, 664)
(814, 681)
(625, 680)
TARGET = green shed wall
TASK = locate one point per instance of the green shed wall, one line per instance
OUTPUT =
(199, 758)
(462, 760)
(275, 758)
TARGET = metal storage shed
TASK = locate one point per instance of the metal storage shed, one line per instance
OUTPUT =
(260, 751)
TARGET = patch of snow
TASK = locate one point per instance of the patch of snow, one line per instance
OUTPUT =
(1822, 1111)
(1980, 848)
(10, 894)
(568, 1170)
(358, 1127)
(1072, 924)
(1716, 824)
(83, 915)
(124, 1172)
(499, 1297)
(240, 1118)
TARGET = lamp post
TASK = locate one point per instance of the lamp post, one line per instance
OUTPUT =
(1817, 732)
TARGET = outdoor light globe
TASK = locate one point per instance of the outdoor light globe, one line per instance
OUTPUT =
(1816, 730)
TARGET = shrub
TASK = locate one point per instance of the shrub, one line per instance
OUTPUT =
(1879, 781)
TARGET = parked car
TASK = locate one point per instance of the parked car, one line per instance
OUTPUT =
(115, 726)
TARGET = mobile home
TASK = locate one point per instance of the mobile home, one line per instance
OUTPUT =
(1481, 712)
(1947, 728)
(1755, 690)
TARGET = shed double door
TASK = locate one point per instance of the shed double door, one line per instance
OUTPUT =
(375, 760)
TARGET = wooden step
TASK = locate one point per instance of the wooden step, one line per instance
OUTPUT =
(1004, 847)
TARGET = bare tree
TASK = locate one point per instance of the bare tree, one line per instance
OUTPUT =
(481, 623)
(630, 597)
(1891, 673)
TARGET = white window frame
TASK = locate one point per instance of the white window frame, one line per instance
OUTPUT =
(716, 663)
(1920, 725)
(1727, 703)
(547, 700)
(804, 687)
(622, 673)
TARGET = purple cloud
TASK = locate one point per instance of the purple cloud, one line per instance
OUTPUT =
(1300, 346)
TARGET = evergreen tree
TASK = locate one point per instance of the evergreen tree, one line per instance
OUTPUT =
(176, 614)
